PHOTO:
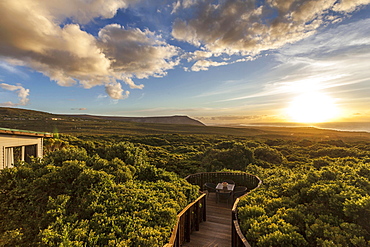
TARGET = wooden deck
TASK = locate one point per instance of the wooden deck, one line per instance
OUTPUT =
(216, 231)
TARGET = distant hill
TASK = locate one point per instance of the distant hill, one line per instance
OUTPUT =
(14, 118)
(17, 113)
(7, 113)
(155, 120)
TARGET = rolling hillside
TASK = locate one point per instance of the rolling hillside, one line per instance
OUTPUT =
(155, 120)
(15, 118)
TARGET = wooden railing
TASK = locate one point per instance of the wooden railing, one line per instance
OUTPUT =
(241, 179)
(188, 220)
(237, 237)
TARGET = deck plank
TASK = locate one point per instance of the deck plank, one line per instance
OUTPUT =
(216, 231)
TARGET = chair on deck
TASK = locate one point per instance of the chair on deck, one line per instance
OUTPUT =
(229, 181)
(209, 187)
(224, 196)
(239, 191)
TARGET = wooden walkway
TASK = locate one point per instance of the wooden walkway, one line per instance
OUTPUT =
(216, 231)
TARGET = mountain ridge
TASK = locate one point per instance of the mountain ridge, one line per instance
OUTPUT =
(25, 114)
(176, 119)
(22, 119)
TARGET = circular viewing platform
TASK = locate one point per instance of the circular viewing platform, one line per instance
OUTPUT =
(209, 221)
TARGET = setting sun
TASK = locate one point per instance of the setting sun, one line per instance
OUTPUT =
(312, 107)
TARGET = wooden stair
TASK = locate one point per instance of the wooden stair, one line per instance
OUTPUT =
(216, 231)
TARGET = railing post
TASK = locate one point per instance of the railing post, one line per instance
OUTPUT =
(238, 239)
(234, 238)
(187, 225)
(233, 235)
(197, 216)
(177, 240)
(204, 208)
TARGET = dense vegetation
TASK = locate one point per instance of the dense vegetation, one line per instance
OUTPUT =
(319, 196)
(110, 190)
(76, 197)
(315, 193)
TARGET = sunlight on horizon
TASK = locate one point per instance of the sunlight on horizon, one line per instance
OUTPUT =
(312, 107)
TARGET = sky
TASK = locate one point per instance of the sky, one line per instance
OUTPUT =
(221, 62)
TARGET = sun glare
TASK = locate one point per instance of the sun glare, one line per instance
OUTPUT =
(312, 107)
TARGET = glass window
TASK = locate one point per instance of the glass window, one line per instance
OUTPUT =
(30, 151)
(9, 157)
(18, 155)
(13, 155)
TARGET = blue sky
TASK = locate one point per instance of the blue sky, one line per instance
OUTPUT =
(222, 62)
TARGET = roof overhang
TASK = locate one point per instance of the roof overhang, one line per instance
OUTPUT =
(24, 133)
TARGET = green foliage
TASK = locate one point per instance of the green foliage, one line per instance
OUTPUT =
(229, 155)
(311, 194)
(115, 190)
(268, 154)
(322, 205)
(67, 153)
(336, 152)
(358, 209)
(74, 197)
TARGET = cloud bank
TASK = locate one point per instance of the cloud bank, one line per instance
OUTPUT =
(333, 63)
(49, 36)
(21, 92)
(249, 27)
(36, 37)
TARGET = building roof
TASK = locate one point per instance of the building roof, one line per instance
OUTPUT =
(24, 132)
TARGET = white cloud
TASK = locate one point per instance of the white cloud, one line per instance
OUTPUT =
(205, 64)
(175, 6)
(197, 55)
(133, 52)
(36, 38)
(318, 63)
(241, 27)
(115, 91)
(183, 4)
(21, 92)
(349, 5)
(82, 11)
(101, 96)
(131, 83)
(334, 58)
(79, 109)
(12, 69)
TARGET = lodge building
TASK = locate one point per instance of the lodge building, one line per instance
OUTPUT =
(20, 145)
